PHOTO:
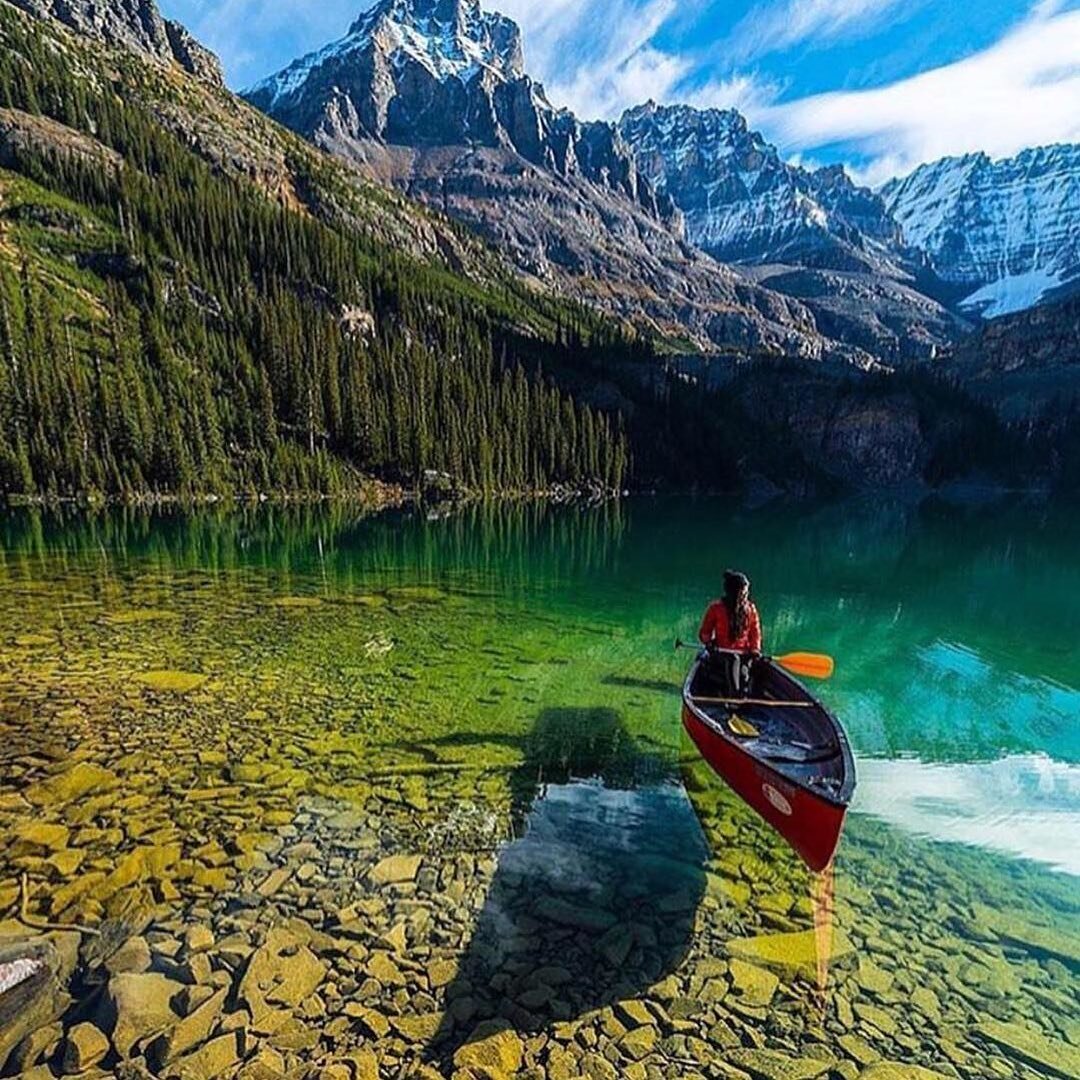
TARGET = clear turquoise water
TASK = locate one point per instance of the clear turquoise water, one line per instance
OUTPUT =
(502, 681)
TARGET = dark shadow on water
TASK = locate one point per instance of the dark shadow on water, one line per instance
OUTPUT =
(595, 901)
(659, 686)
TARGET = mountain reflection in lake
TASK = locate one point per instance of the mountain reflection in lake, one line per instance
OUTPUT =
(596, 900)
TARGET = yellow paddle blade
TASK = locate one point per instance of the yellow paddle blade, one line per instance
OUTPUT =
(742, 727)
(812, 665)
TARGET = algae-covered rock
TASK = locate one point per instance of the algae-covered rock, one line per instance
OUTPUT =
(297, 603)
(132, 956)
(755, 985)
(280, 972)
(80, 780)
(194, 1029)
(382, 968)
(773, 1065)
(211, 1060)
(138, 1007)
(891, 1070)
(417, 1029)
(1053, 1055)
(84, 1047)
(856, 1047)
(148, 862)
(137, 616)
(557, 910)
(171, 682)
(879, 1018)
(396, 869)
(793, 953)
(37, 836)
(1040, 940)
(492, 1052)
(639, 1042)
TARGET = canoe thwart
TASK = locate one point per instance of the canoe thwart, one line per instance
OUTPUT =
(753, 701)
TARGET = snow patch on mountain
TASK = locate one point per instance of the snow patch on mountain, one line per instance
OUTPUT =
(451, 39)
(1013, 293)
(741, 200)
(1006, 233)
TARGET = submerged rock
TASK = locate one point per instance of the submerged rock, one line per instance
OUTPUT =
(890, 1070)
(171, 682)
(138, 1007)
(755, 985)
(1053, 1055)
(280, 972)
(492, 1052)
(84, 1047)
(396, 869)
(772, 1065)
(80, 780)
(794, 953)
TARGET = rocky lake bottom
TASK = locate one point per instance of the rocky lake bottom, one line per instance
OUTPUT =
(323, 815)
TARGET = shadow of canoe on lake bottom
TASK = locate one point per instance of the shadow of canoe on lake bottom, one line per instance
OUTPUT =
(596, 900)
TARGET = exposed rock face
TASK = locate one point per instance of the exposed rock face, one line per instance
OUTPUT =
(192, 55)
(1005, 234)
(1041, 339)
(132, 24)
(432, 95)
(743, 203)
(816, 236)
(1026, 365)
(444, 73)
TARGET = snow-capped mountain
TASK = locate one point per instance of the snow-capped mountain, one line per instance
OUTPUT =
(433, 96)
(1005, 234)
(448, 38)
(813, 235)
(743, 203)
(442, 73)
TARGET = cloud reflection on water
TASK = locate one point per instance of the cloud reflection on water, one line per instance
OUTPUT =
(1022, 805)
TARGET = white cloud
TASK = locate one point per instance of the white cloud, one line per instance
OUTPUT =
(780, 25)
(1022, 91)
(596, 56)
(255, 37)
(599, 57)
(750, 94)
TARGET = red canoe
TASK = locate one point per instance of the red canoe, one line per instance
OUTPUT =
(790, 761)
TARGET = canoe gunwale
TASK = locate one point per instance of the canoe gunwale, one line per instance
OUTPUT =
(841, 798)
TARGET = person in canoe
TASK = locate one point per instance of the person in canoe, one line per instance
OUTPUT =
(733, 623)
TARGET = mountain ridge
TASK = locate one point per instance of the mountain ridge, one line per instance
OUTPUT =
(1003, 233)
(813, 235)
(563, 197)
(134, 24)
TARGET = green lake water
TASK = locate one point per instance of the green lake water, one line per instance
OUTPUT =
(301, 793)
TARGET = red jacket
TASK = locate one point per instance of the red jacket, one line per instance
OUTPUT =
(716, 631)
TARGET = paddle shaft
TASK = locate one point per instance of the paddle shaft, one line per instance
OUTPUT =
(811, 665)
(752, 701)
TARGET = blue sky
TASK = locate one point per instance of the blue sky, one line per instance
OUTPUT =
(881, 85)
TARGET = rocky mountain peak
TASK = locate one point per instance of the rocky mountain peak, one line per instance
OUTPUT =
(131, 24)
(1004, 234)
(440, 73)
(741, 200)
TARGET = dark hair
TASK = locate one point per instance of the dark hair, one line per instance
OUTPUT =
(737, 602)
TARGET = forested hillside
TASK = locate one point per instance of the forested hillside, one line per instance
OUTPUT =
(195, 301)
(166, 328)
